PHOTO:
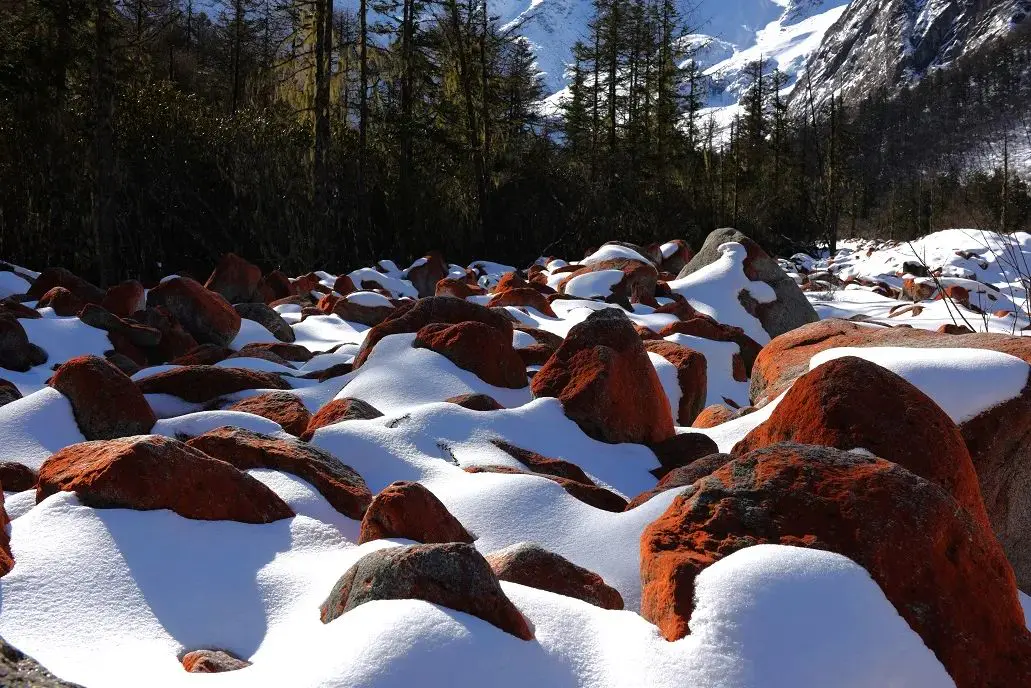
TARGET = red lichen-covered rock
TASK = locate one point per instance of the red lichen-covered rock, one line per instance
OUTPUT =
(680, 450)
(175, 341)
(295, 353)
(152, 472)
(475, 402)
(201, 383)
(527, 563)
(522, 296)
(203, 354)
(16, 351)
(680, 307)
(949, 328)
(16, 477)
(327, 302)
(544, 464)
(408, 510)
(275, 286)
(9, 308)
(960, 295)
(264, 355)
(453, 575)
(235, 279)
(787, 357)
(335, 370)
(139, 335)
(676, 257)
(212, 662)
(691, 375)
(129, 366)
(123, 350)
(62, 301)
(342, 487)
(606, 382)
(437, 309)
(586, 492)
(305, 284)
(918, 289)
(6, 556)
(999, 440)
(104, 400)
(125, 298)
(205, 314)
(280, 407)
(426, 272)
(850, 403)
(705, 327)
(481, 349)
(338, 411)
(636, 286)
(711, 416)
(60, 277)
(509, 281)
(344, 285)
(458, 288)
(682, 476)
(535, 354)
(944, 573)
(8, 392)
(543, 337)
(365, 308)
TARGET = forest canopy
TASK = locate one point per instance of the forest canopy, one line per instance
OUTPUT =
(142, 136)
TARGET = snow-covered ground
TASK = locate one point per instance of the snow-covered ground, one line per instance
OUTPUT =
(994, 269)
(115, 597)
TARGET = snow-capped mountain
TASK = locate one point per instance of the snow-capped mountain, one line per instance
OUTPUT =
(848, 47)
(727, 36)
(891, 43)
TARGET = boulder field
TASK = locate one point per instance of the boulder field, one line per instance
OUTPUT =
(648, 466)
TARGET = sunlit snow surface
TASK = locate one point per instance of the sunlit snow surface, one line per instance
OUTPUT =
(995, 268)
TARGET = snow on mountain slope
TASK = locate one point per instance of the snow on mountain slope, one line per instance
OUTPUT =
(727, 35)
(890, 43)
(785, 43)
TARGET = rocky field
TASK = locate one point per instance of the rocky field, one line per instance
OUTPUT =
(647, 467)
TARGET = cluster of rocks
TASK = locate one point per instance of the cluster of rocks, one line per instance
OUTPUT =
(853, 459)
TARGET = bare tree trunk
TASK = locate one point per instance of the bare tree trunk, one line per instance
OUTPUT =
(1003, 219)
(612, 75)
(485, 111)
(472, 127)
(405, 166)
(323, 133)
(103, 139)
(237, 39)
(363, 226)
(595, 98)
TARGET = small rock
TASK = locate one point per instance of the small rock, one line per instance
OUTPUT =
(530, 564)
(207, 316)
(338, 411)
(104, 400)
(267, 318)
(410, 511)
(453, 575)
(281, 407)
(212, 662)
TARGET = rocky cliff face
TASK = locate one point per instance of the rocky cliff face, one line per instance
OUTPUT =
(892, 43)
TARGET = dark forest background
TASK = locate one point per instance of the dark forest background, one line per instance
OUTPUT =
(140, 137)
